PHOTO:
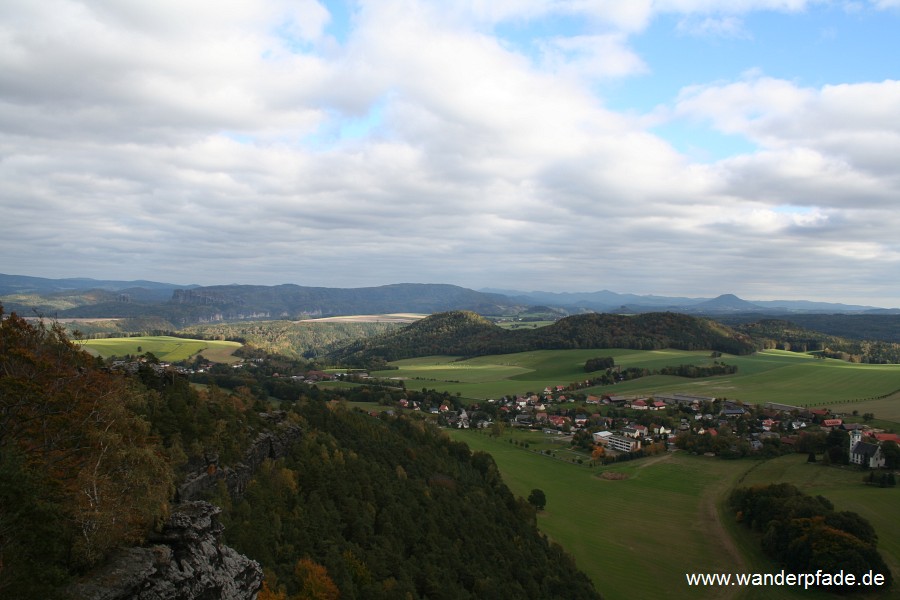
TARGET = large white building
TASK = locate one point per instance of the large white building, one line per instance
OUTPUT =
(621, 443)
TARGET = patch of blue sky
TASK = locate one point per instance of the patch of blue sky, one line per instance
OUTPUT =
(341, 21)
(792, 209)
(340, 128)
(702, 144)
(285, 33)
(822, 46)
(338, 26)
(241, 138)
(360, 127)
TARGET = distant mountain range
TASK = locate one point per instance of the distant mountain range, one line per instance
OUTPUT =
(183, 305)
(607, 301)
(22, 284)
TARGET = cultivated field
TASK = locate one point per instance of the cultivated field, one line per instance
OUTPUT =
(770, 376)
(388, 318)
(637, 537)
(165, 348)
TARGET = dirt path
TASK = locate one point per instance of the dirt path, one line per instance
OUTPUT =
(655, 460)
(709, 512)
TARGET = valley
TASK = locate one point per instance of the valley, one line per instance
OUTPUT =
(667, 517)
(523, 396)
(766, 376)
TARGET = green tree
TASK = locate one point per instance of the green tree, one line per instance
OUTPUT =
(891, 453)
(538, 499)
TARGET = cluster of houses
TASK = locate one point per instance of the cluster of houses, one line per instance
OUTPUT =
(756, 424)
(864, 442)
(160, 368)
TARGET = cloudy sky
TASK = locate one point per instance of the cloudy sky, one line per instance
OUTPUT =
(674, 147)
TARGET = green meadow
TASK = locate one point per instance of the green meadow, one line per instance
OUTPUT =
(769, 376)
(638, 536)
(171, 349)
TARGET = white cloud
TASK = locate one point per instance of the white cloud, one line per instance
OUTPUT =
(202, 142)
(846, 133)
(591, 56)
(718, 26)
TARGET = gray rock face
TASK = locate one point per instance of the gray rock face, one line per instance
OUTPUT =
(186, 561)
(272, 444)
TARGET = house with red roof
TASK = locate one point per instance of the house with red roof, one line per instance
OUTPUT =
(558, 420)
(887, 437)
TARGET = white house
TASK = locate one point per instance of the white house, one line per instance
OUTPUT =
(863, 453)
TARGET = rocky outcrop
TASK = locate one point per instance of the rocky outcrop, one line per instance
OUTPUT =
(269, 445)
(186, 561)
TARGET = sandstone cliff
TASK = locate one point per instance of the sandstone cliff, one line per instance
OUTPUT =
(271, 444)
(186, 561)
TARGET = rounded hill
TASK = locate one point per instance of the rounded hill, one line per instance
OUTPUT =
(467, 334)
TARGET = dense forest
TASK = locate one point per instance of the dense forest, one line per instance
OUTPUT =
(787, 335)
(89, 458)
(291, 338)
(877, 326)
(805, 534)
(387, 508)
(467, 334)
(361, 506)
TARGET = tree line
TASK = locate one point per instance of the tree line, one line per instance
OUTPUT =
(805, 534)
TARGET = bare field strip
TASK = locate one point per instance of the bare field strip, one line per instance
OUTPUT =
(388, 318)
(78, 320)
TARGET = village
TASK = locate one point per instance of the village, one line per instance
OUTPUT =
(624, 425)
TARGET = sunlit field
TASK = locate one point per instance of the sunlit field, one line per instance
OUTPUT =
(770, 376)
(171, 349)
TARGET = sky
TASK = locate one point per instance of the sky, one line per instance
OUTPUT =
(670, 147)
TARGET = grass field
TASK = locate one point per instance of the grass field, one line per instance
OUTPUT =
(637, 537)
(165, 348)
(770, 376)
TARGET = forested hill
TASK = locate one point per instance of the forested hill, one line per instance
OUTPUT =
(467, 334)
(787, 335)
(391, 508)
(359, 506)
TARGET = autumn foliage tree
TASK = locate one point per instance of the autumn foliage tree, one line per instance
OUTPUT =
(85, 470)
(315, 584)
